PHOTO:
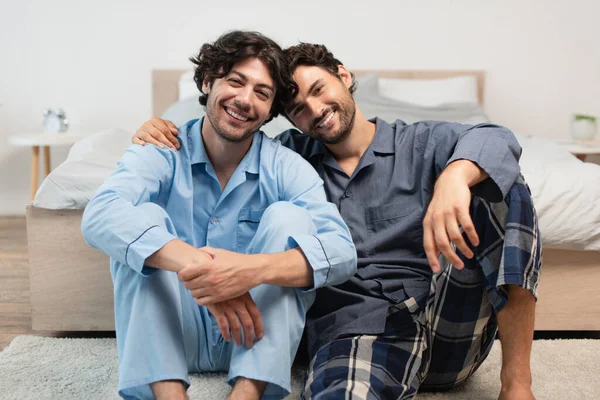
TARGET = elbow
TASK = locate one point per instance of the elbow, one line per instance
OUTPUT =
(513, 144)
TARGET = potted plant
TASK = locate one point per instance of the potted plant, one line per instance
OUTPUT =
(583, 127)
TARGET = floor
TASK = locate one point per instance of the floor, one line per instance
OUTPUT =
(15, 309)
(15, 313)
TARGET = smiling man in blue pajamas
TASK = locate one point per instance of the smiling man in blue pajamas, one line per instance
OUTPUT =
(227, 237)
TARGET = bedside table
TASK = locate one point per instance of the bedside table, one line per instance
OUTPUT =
(580, 149)
(43, 140)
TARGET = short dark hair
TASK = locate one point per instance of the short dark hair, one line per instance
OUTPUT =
(314, 55)
(215, 60)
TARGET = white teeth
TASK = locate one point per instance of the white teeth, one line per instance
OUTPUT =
(236, 115)
(326, 121)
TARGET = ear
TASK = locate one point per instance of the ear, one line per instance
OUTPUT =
(345, 76)
(206, 87)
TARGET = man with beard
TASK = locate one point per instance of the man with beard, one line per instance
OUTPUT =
(408, 319)
(228, 237)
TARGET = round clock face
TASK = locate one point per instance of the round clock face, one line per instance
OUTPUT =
(52, 123)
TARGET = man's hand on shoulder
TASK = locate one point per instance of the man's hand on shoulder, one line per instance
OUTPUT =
(227, 275)
(449, 210)
(158, 132)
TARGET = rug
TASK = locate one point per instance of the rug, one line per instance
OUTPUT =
(38, 368)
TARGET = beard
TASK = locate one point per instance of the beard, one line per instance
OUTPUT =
(225, 130)
(346, 113)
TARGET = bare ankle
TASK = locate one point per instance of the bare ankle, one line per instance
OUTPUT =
(169, 390)
(517, 377)
(247, 389)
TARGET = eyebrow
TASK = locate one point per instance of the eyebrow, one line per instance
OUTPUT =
(261, 85)
(310, 90)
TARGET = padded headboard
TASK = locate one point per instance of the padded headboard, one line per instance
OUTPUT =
(165, 83)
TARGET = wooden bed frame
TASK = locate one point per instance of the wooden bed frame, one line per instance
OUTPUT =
(71, 288)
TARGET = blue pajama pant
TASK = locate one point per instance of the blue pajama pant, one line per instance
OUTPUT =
(162, 334)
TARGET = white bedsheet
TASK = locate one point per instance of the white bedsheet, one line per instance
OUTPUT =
(566, 194)
(566, 191)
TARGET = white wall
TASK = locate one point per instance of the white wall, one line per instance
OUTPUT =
(94, 58)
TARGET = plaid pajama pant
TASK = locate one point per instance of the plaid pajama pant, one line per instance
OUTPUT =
(437, 342)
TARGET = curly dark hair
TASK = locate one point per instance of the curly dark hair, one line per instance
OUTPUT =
(314, 55)
(215, 60)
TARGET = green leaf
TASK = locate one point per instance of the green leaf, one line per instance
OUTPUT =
(583, 117)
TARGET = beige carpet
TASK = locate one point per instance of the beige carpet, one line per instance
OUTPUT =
(48, 368)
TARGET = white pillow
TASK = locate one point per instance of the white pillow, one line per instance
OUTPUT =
(187, 86)
(430, 92)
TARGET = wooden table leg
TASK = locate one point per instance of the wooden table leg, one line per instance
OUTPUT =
(35, 167)
(47, 160)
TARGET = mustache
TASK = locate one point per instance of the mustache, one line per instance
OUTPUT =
(242, 107)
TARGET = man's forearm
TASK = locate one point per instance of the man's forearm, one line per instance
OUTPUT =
(287, 269)
(467, 170)
(175, 256)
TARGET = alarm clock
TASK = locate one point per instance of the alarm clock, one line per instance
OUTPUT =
(55, 121)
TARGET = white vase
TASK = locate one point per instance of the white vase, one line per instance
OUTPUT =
(583, 129)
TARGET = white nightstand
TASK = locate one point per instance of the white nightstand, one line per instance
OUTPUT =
(580, 149)
(43, 140)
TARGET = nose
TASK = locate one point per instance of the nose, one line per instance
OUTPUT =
(313, 106)
(244, 95)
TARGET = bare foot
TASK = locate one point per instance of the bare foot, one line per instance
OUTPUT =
(515, 384)
(247, 389)
(516, 392)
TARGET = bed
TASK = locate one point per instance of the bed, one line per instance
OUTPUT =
(70, 282)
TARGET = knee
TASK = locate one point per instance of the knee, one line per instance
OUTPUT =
(518, 295)
(279, 223)
(516, 207)
(285, 218)
(519, 195)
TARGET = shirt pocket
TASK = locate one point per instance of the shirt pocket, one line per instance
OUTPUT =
(394, 227)
(247, 225)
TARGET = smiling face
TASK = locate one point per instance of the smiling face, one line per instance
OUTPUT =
(240, 102)
(324, 108)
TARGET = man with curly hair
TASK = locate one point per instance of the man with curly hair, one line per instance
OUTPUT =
(410, 319)
(227, 238)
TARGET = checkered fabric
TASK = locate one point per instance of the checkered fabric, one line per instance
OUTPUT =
(437, 342)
